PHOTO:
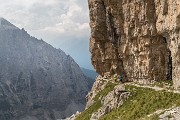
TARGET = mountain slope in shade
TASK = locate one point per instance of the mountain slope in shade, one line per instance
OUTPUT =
(91, 75)
(37, 81)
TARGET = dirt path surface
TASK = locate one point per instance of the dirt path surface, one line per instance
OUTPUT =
(156, 88)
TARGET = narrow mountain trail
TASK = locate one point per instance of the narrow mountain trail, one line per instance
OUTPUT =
(156, 88)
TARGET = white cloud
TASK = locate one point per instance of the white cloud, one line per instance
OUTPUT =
(58, 22)
(44, 11)
(60, 16)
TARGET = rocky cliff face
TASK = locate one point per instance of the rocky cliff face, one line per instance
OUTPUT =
(139, 39)
(37, 81)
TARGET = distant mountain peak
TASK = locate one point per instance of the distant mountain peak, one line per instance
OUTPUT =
(6, 24)
(37, 79)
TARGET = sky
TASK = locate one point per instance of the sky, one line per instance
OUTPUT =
(62, 23)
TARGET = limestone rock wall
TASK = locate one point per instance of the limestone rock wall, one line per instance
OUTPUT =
(139, 39)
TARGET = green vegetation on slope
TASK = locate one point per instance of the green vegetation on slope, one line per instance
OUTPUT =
(142, 102)
(86, 115)
(162, 84)
(108, 88)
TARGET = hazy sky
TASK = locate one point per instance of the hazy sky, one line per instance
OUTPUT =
(62, 23)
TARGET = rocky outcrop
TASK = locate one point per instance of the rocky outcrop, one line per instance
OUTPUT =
(113, 100)
(173, 114)
(37, 81)
(138, 39)
(98, 86)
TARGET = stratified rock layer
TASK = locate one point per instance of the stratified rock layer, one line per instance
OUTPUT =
(139, 39)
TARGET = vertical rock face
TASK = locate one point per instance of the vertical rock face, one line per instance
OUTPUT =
(37, 81)
(139, 39)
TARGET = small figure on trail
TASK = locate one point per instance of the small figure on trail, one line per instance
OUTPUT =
(121, 78)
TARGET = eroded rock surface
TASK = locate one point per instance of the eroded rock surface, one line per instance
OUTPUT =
(113, 100)
(98, 85)
(37, 81)
(173, 114)
(139, 39)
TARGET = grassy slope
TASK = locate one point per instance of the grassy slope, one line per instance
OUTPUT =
(143, 102)
(86, 115)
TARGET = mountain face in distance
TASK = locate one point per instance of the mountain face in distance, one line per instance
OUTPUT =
(37, 81)
(91, 75)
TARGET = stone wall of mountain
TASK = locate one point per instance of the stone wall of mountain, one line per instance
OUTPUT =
(37, 81)
(138, 39)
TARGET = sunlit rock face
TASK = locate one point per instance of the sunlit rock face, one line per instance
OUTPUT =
(139, 39)
(37, 81)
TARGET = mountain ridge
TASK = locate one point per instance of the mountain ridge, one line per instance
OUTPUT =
(37, 79)
(6, 24)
